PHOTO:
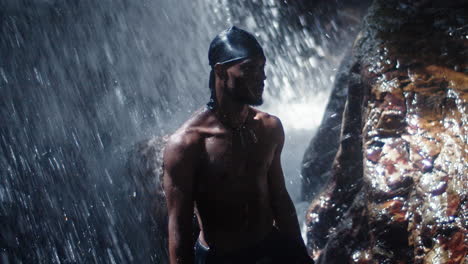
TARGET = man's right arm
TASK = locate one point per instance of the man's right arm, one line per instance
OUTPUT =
(180, 162)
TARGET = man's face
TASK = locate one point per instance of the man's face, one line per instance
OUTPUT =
(245, 81)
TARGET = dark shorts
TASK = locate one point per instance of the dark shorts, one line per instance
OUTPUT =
(274, 249)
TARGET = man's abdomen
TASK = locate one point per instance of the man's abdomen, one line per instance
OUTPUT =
(230, 221)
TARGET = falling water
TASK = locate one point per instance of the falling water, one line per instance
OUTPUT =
(83, 81)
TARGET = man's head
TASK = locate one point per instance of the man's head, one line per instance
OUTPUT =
(237, 61)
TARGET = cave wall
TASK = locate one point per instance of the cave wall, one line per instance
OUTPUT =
(398, 190)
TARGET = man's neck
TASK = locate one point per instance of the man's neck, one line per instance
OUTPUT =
(233, 115)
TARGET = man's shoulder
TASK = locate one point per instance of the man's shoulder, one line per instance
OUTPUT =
(192, 132)
(268, 120)
(183, 139)
(186, 137)
(181, 148)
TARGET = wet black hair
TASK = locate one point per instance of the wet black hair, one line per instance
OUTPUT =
(230, 46)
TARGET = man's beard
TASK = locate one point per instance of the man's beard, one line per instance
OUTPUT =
(248, 98)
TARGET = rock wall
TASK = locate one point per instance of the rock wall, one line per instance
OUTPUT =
(398, 187)
(322, 149)
(144, 166)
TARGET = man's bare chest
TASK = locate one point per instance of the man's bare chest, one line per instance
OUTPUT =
(236, 161)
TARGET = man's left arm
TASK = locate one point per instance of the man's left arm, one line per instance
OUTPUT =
(281, 203)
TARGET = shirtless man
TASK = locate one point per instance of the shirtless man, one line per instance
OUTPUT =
(224, 165)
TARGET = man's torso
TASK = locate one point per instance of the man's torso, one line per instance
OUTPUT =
(231, 193)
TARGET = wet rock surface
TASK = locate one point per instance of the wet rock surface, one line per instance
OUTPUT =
(319, 155)
(398, 186)
(144, 166)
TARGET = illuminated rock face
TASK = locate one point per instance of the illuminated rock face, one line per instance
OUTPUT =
(399, 187)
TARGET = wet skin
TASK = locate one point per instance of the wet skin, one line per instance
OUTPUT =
(224, 164)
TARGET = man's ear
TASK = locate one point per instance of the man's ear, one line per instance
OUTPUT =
(220, 71)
